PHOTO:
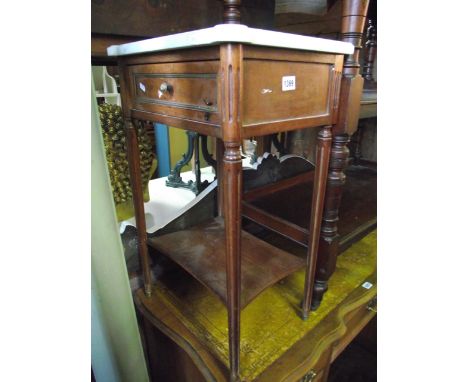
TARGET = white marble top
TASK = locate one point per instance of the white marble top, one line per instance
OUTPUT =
(236, 33)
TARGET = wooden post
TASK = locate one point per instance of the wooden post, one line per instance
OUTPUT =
(231, 13)
(328, 246)
(133, 155)
(353, 19)
(232, 219)
(320, 180)
(371, 51)
(231, 77)
(219, 174)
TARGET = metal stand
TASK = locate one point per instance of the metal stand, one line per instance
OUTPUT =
(279, 145)
(175, 180)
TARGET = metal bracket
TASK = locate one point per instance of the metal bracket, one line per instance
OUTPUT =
(175, 180)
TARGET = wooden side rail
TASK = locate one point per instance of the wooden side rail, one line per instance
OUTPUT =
(281, 226)
(280, 185)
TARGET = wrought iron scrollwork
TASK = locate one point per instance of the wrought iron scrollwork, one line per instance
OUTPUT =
(175, 180)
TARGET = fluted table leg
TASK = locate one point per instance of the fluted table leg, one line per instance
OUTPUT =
(321, 168)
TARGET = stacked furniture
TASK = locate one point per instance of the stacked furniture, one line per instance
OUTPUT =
(233, 82)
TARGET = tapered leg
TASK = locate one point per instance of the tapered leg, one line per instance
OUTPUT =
(232, 187)
(320, 180)
(231, 95)
(133, 155)
(219, 175)
(328, 244)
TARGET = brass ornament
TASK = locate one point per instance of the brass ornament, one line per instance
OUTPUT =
(115, 144)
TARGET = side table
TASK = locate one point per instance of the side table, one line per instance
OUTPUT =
(232, 82)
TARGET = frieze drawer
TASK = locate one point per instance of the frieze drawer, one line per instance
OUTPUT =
(275, 91)
(181, 90)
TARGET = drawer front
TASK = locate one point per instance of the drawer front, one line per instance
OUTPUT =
(277, 91)
(181, 90)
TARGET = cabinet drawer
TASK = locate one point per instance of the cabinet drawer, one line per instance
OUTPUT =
(281, 91)
(182, 90)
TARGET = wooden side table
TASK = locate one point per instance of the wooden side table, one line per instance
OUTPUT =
(231, 82)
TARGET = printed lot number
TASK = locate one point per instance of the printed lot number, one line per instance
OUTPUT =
(289, 83)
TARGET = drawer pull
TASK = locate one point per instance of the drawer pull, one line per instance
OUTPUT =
(164, 88)
(207, 103)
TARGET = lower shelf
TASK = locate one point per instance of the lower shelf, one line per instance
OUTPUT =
(276, 344)
(201, 251)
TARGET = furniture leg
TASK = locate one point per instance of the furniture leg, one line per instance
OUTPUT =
(329, 238)
(232, 186)
(353, 19)
(371, 51)
(321, 168)
(219, 174)
(231, 74)
(133, 155)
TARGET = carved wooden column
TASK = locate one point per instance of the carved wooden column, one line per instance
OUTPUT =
(371, 52)
(231, 13)
(328, 246)
(353, 19)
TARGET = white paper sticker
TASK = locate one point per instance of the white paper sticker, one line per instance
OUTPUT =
(367, 285)
(289, 83)
(142, 87)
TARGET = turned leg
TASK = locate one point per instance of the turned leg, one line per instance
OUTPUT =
(353, 18)
(320, 180)
(232, 187)
(328, 244)
(133, 155)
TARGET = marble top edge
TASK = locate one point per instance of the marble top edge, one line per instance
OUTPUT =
(236, 33)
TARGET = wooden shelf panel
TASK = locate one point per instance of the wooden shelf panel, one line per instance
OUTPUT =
(284, 345)
(201, 251)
